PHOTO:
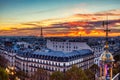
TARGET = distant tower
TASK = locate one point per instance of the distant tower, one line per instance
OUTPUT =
(41, 32)
(106, 59)
(42, 39)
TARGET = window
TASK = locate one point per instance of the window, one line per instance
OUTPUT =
(42, 61)
(74, 47)
(39, 61)
(33, 60)
(64, 64)
(36, 65)
(56, 69)
(59, 46)
(69, 43)
(56, 63)
(36, 60)
(45, 62)
(61, 64)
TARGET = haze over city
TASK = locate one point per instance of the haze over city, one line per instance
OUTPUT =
(58, 17)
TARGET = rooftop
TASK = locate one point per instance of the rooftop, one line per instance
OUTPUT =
(48, 54)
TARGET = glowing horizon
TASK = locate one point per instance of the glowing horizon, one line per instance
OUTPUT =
(58, 18)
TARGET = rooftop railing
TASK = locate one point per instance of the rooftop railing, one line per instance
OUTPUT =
(116, 77)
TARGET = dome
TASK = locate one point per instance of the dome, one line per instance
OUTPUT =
(106, 56)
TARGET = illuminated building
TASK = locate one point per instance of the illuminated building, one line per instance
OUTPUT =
(21, 57)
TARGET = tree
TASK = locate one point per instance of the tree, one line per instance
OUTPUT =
(3, 74)
(3, 62)
(115, 71)
(57, 76)
(94, 68)
(116, 67)
(117, 58)
(89, 74)
(40, 74)
(75, 73)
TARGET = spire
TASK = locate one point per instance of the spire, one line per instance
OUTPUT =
(107, 31)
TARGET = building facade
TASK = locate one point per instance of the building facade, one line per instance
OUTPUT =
(66, 45)
(48, 60)
(98, 50)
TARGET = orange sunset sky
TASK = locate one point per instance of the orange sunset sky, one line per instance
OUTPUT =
(59, 17)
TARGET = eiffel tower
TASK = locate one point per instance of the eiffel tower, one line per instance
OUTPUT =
(41, 32)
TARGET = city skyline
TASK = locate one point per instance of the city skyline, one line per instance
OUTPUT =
(58, 18)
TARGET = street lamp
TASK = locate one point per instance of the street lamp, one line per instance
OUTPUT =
(10, 71)
(17, 78)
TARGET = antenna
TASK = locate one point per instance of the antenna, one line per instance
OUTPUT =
(107, 31)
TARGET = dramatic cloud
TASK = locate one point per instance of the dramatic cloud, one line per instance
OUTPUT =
(75, 25)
